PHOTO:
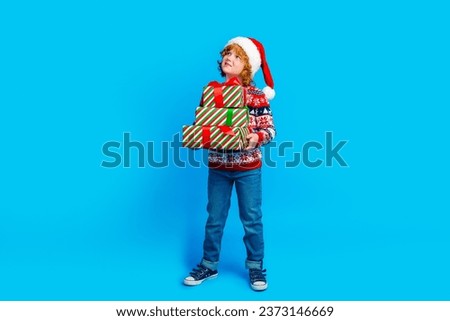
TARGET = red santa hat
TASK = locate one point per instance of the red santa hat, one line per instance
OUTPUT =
(255, 52)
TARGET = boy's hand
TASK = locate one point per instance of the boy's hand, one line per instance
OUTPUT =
(252, 141)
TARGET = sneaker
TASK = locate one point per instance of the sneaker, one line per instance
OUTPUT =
(200, 274)
(258, 280)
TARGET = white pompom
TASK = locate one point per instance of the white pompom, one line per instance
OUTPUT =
(269, 92)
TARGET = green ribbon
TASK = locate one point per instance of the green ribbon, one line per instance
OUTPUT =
(230, 113)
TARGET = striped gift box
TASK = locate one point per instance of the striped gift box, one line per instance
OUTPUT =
(209, 116)
(215, 137)
(223, 96)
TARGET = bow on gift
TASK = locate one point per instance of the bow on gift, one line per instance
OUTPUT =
(206, 134)
(218, 97)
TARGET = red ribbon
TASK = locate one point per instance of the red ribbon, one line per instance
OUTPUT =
(218, 97)
(227, 130)
(230, 82)
(206, 134)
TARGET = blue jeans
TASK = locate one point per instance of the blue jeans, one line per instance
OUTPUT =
(249, 194)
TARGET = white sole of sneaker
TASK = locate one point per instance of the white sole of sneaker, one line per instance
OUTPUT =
(259, 287)
(197, 282)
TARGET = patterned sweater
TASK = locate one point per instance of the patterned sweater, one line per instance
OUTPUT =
(261, 123)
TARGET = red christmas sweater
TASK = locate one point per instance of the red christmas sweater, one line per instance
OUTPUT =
(261, 123)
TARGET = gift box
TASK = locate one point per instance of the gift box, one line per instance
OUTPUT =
(215, 137)
(228, 94)
(209, 116)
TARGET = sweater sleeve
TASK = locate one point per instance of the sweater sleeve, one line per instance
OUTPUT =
(261, 113)
(265, 128)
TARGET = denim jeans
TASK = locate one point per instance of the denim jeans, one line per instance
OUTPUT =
(249, 194)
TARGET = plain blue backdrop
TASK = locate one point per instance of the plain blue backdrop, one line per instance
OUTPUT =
(75, 75)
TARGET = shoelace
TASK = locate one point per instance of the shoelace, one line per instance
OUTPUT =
(199, 272)
(257, 275)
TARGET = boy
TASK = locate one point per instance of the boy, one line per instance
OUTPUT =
(242, 57)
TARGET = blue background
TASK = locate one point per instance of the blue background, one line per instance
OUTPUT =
(78, 74)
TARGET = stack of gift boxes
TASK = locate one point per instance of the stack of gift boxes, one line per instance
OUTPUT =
(221, 122)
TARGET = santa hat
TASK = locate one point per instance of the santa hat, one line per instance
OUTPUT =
(255, 52)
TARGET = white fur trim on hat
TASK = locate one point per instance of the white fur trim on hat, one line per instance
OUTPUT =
(251, 50)
(269, 92)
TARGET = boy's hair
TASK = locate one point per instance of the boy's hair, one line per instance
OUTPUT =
(246, 74)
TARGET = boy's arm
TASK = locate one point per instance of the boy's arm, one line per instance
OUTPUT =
(264, 128)
(261, 118)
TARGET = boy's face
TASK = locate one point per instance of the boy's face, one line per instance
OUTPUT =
(232, 65)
